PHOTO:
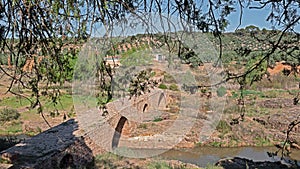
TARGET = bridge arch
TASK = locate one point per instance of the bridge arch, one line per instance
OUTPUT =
(118, 131)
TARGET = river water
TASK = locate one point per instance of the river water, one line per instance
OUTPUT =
(202, 156)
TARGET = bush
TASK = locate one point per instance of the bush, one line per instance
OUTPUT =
(221, 91)
(173, 87)
(169, 78)
(157, 119)
(159, 165)
(223, 127)
(8, 115)
(162, 86)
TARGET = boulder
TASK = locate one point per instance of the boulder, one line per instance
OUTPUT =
(237, 163)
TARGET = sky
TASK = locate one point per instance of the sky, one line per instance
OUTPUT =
(256, 17)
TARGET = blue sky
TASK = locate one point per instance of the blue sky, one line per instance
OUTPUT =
(255, 17)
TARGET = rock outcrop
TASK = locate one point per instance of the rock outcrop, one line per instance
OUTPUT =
(237, 163)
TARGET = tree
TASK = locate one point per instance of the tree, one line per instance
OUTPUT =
(252, 29)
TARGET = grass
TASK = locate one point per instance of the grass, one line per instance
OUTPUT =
(274, 93)
(211, 166)
(107, 160)
(252, 112)
(231, 109)
(3, 161)
(64, 102)
(278, 81)
(107, 156)
(262, 141)
(7, 114)
(14, 123)
(136, 58)
(15, 127)
(174, 87)
(216, 144)
(221, 91)
(159, 165)
(169, 79)
(236, 94)
(223, 127)
(157, 119)
(15, 102)
(143, 126)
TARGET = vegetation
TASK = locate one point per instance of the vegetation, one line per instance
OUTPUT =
(159, 165)
(223, 127)
(157, 119)
(8, 115)
(221, 91)
(162, 86)
(174, 87)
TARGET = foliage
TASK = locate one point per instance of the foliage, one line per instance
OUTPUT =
(159, 165)
(211, 166)
(174, 87)
(162, 86)
(257, 67)
(231, 109)
(14, 102)
(141, 83)
(223, 127)
(221, 91)
(168, 78)
(143, 126)
(8, 114)
(136, 58)
(157, 119)
(262, 141)
(188, 56)
(107, 160)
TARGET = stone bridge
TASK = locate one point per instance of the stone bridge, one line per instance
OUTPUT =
(122, 118)
(113, 132)
(72, 143)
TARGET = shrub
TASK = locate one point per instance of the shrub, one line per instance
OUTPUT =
(231, 109)
(159, 165)
(169, 78)
(7, 114)
(143, 126)
(157, 119)
(223, 127)
(173, 87)
(221, 91)
(162, 86)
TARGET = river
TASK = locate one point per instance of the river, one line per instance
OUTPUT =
(202, 156)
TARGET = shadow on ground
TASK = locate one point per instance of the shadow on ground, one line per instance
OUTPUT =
(57, 147)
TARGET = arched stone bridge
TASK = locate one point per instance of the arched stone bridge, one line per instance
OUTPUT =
(123, 117)
(73, 143)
